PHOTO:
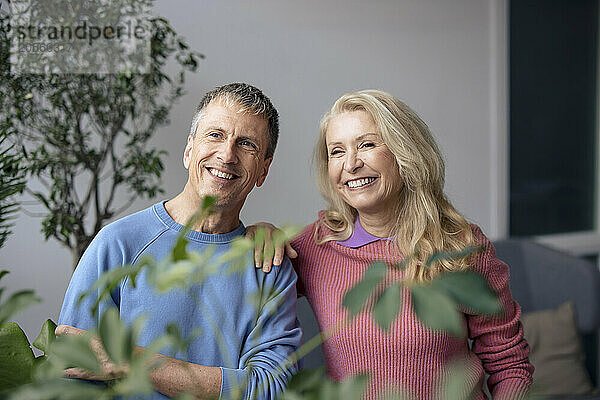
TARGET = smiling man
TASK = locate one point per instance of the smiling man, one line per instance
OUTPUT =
(228, 152)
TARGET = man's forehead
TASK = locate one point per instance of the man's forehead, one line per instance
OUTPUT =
(234, 107)
(227, 114)
(229, 108)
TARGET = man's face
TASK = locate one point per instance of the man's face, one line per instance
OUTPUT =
(226, 158)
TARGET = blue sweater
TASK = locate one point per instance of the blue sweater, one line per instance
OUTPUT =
(248, 339)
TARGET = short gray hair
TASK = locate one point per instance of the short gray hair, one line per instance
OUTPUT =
(251, 99)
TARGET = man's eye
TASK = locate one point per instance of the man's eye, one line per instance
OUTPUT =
(247, 143)
(214, 134)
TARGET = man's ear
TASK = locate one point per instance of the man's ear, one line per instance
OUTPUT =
(264, 173)
(187, 153)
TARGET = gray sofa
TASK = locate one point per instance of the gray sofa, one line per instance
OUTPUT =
(541, 278)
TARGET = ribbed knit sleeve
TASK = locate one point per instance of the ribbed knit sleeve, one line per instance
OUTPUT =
(498, 341)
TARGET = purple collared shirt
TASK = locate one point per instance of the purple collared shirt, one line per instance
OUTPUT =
(359, 237)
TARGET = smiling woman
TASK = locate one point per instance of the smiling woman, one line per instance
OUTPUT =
(377, 162)
(362, 169)
(382, 174)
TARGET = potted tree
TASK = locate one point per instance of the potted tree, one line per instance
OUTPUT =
(85, 137)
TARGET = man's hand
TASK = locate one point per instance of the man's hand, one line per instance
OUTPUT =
(267, 253)
(171, 378)
(109, 369)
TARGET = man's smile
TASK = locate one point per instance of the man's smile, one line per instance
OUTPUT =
(221, 174)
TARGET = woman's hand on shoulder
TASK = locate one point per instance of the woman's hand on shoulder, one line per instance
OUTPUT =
(268, 251)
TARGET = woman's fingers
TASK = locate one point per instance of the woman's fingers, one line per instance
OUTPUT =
(289, 250)
(268, 253)
(259, 245)
(279, 251)
(269, 247)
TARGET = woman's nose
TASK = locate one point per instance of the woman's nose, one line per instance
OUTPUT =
(353, 162)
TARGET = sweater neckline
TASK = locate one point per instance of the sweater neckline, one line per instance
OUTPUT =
(163, 215)
(360, 237)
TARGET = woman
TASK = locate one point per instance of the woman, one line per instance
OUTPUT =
(383, 176)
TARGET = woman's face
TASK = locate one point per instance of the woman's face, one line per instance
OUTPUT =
(361, 167)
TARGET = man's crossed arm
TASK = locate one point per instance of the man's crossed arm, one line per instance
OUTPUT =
(172, 376)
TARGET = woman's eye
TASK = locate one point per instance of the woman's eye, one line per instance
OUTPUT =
(335, 152)
(368, 144)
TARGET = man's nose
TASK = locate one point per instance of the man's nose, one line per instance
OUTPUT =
(353, 162)
(227, 152)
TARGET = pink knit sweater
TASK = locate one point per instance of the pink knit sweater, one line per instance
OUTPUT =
(410, 357)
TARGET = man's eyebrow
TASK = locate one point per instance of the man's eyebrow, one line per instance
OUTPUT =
(213, 128)
(253, 139)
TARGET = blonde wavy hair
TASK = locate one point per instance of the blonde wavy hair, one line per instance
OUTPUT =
(425, 221)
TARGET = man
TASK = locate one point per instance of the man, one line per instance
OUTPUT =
(229, 150)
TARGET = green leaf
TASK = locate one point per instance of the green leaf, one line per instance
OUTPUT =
(175, 334)
(260, 236)
(113, 334)
(136, 383)
(16, 357)
(46, 336)
(208, 202)
(328, 390)
(108, 281)
(286, 233)
(456, 386)
(387, 307)
(132, 335)
(470, 290)
(63, 389)
(402, 265)
(146, 357)
(353, 387)
(75, 351)
(184, 396)
(356, 297)
(179, 250)
(3, 273)
(397, 396)
(307, 380)
(239, 249)
(15, 303)
(177, 274)
(436, 310)
(452, 255)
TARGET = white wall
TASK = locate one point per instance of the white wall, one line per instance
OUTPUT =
(442, 57)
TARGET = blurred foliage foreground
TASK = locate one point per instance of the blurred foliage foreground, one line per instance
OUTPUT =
(23, 376)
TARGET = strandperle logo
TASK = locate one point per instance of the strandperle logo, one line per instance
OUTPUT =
(80, 37)
(82, 31)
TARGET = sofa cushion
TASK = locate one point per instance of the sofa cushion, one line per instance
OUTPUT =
(556, 352)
